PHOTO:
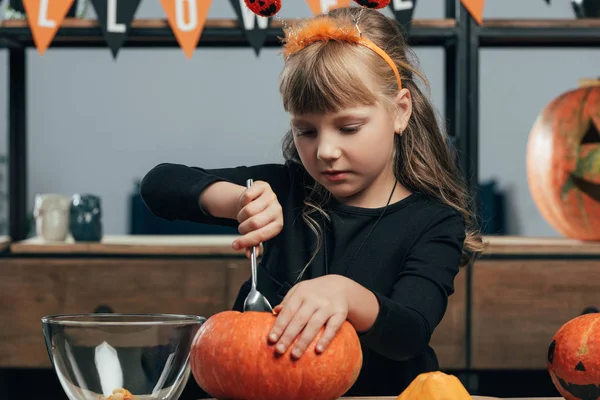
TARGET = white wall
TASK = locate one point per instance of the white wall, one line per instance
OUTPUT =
(97, 125)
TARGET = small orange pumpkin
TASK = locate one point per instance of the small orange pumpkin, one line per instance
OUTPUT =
(435, 385)
(574, 358)
(563, 162)
(231, 358)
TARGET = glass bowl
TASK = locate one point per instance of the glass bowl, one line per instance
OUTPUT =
(98, 355)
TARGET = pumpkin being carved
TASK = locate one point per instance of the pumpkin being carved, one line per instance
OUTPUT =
(435, 385)
(231, 358)
(574, 358)
(563, 162)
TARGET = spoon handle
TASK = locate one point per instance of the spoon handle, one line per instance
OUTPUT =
(249, 183)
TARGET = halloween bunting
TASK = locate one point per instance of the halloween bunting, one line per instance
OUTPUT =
(403, 11)
(255, 26)
(44, 18)
(115, 18)
(475, 8)
(187, 18)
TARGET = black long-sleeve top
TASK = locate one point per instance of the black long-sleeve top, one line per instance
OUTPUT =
(409, 260)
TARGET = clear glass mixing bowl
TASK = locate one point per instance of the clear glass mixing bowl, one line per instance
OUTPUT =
(146, 354)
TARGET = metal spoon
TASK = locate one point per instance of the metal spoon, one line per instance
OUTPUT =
(255, 301)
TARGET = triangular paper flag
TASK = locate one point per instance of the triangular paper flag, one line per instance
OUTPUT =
(114, 17)
(254, 26)
(187, 19)
(44, 18)
(323, 6)
(403, 11)
(475, 8)
(17, 5)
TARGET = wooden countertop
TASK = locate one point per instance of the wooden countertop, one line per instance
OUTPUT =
(221, 245)
(472, 397)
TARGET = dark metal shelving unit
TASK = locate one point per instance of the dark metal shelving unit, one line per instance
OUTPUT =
(15, 36)
(457, 34)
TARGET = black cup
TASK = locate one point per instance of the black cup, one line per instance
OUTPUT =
(85, 222)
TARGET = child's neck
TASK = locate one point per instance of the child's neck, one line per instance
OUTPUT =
(377, 197)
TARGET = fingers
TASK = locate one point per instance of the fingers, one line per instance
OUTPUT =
(259, 250)
(270, 214)
(310, 331)
(260, 216)
(258, 189)
(290, 323)
(331, 328)
(254, 238)
(253, 202)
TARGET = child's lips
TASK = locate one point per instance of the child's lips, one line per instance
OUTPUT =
(335, 175)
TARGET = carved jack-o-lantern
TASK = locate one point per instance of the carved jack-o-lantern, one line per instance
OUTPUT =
(563, 162)
(574, 358)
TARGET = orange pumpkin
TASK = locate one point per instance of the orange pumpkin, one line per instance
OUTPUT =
(574, 358)
(563, 162)
(231, 358)
(435, 385)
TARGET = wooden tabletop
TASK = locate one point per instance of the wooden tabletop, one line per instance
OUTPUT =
(472, 397)
(221, 245)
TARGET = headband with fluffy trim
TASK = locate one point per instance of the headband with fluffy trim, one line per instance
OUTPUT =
(324, 29)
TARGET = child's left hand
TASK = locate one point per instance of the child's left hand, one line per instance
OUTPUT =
(306, 308)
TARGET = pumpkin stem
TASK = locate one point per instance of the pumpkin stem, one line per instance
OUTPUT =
(586, 82)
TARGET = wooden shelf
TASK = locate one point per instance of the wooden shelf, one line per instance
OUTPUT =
(542, 23)
(75, 32)
(539, 33)
(221, 245)
(134, 245)
(521, 245)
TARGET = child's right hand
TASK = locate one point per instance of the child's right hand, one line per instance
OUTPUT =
(260, 216)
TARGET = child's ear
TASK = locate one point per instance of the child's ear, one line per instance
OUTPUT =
(404, 110)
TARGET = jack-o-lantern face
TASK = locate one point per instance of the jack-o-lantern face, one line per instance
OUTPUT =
(589, 158)
(563, 163)
(574, 358)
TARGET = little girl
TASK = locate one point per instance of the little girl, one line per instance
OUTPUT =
(366, 221)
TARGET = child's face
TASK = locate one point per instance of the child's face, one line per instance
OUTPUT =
(350, 152)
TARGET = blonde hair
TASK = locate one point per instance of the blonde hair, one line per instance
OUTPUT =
(324, 77)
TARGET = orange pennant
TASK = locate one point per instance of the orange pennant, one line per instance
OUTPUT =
(187, 19)
(45, 17)
(475, 8)
(323, 6)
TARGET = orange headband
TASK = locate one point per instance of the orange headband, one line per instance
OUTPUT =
(324, 29)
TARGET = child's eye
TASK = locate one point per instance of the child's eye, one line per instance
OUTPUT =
(350, 129)
(304, 132)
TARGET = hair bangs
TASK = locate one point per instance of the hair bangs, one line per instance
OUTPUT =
(325, 77)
